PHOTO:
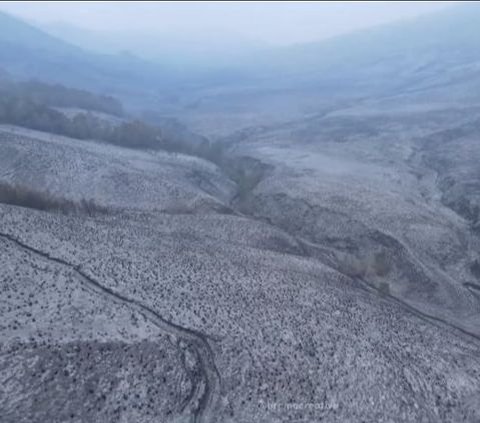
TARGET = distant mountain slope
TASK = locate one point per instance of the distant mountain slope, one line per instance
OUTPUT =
(220, 48)
(27, 52)
(452, 33)
(433, 57)
(22, 34)
(433, 60)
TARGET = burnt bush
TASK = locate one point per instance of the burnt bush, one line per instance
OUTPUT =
(23, 196)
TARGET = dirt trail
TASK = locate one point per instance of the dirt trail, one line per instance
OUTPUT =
(208, 385)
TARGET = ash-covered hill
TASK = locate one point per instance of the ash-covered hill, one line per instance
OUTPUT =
(383, 197)
(113, 177)
(164, 310)
(322, 264)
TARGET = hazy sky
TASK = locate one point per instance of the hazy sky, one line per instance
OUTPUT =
(271, 22)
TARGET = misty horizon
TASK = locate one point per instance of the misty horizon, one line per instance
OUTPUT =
(256, 22)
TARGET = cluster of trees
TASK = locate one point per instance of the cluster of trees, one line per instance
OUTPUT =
(24, 196)
(23, 111)
(60, 96)
(25, 108)
(19, 110)
(31, 105)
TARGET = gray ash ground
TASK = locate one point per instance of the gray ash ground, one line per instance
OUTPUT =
(170, 310)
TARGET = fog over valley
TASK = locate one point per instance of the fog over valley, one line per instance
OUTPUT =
(239, 212)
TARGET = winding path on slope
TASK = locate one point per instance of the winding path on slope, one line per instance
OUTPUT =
(204, 408)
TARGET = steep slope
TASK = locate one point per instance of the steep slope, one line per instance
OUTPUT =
(116, 178)
(370, 194)
(290, 337)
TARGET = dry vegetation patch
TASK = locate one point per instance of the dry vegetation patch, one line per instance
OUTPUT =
(24, 196)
